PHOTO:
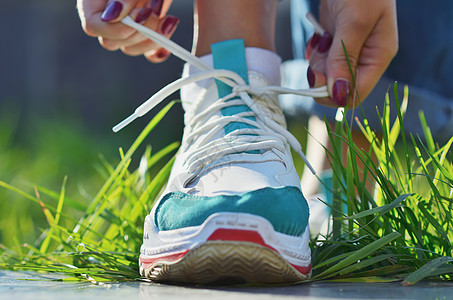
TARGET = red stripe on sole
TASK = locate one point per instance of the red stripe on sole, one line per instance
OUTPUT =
(239, 235)
(303, 270)
(149, 262)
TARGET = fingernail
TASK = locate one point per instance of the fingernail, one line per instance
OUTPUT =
(162, 53)
(143, 15)
(112, 11)
(169, 24)
(324, 42)
(315, 40)
(156, 6)
(340, 92)
(311, 77)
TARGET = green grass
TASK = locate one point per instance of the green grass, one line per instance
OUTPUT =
(399, 231)
(40, 153)
(98, 240)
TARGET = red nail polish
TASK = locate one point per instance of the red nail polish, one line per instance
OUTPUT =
(169, 24)
(156, 6)
(112, 11)
(324, 42)
(340, 92)
(315, 40)
(162, 53)
(143, 15)
(311, 77)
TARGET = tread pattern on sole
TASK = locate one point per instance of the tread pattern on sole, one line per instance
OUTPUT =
(226, 262)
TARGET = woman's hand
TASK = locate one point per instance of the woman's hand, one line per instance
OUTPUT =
(101, 19)
(368, 29)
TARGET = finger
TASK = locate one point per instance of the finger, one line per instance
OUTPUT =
(316, 73)
(140, 48)
(352, 32)
(312, 43)
(158, 56)
(90, 15)
(165, 7)
(114, 44)
(95, 14)
(117, 10)
(316, 79)
(376, 55)
(141, 15)
(318, 55)
(167, 27)
(136, 38)
(117, 31)
(86, 8)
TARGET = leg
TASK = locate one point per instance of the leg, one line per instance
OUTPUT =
(220, 20)
(315, 151)
(317, 138)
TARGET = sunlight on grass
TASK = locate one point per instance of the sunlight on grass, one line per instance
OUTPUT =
(417, 216)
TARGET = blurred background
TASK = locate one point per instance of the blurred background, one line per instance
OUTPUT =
(60, 95)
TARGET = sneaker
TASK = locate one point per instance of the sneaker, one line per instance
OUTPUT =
(233, 210)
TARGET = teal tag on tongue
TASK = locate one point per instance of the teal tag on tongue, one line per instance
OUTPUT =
(230, 55)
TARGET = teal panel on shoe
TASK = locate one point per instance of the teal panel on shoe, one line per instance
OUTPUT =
(230, 55)
(284, 207)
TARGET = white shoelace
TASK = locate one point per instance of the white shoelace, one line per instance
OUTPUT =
(268, 134)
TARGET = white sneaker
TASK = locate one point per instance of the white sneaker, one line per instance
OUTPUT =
(233, 210)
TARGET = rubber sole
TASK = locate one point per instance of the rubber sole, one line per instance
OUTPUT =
(225, 262)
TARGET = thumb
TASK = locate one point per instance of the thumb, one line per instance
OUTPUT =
(346, 46)
(116, 10)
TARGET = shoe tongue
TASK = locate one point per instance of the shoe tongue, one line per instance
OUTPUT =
(230, 55)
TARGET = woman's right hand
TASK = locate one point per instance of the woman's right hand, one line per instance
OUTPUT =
(102, 19)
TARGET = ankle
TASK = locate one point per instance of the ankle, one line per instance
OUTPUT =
(219, 20)
(261, 61)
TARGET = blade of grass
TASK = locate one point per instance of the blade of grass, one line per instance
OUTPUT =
(434, 223)
(45, 244)
(128, 155)
(426, 270)
(360, 254)
(427, 132)
(69, 202)
(403, 136)
(380, 210)
(365, 263)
